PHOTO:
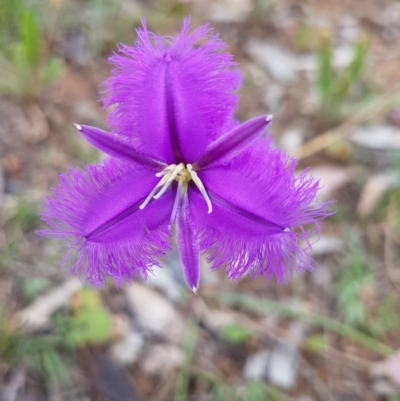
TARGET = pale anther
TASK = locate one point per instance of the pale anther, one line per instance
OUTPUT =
(183, 174)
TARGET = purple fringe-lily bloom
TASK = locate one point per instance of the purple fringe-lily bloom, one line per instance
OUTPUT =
(177, 158)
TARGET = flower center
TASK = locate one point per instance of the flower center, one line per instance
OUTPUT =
(183, 174)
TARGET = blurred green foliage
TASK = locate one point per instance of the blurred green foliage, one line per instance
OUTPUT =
(39, 353)
(235, 333)
(387, 318)
(50, 353)
(34, 286)
(10, 13)
(26, 215)
(91, 322)
(108, 22)
(263, 305)
(253, 391)
(220, 390)
(351, 281)
(26, 65)
(316, 343)
(338, 89)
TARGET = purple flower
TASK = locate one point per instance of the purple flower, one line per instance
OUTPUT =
(178, 159)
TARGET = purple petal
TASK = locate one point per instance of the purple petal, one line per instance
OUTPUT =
(114, 146)
(232, 237)
(169, 95)
(267, 241)
(188, 246)
(95, 212)
(233, 142)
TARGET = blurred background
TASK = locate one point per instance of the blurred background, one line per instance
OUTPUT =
(328, 70)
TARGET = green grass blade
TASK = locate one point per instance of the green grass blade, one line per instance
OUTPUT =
(263, 305)
(357, 65)
(31, 36)
(54, 367)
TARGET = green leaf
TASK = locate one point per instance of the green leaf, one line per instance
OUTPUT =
(9, 346)
(255, 392)
(20, 65)
(352, 280)
(316, 343)
(357, 65)
(92, 321)
(235, 333)
(218, 392)
(31, 36)
(54, 367)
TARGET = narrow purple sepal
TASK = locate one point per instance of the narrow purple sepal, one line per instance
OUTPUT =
(114, 146)
(188, 246)
(233, 142)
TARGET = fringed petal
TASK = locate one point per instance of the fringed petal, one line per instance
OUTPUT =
(170, 95)
(96, 213)
(275, 214)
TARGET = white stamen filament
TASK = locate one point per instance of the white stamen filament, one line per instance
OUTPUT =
(171, 177)
(200, 187)
(165, 174)
(167, 170)
(183, 174)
